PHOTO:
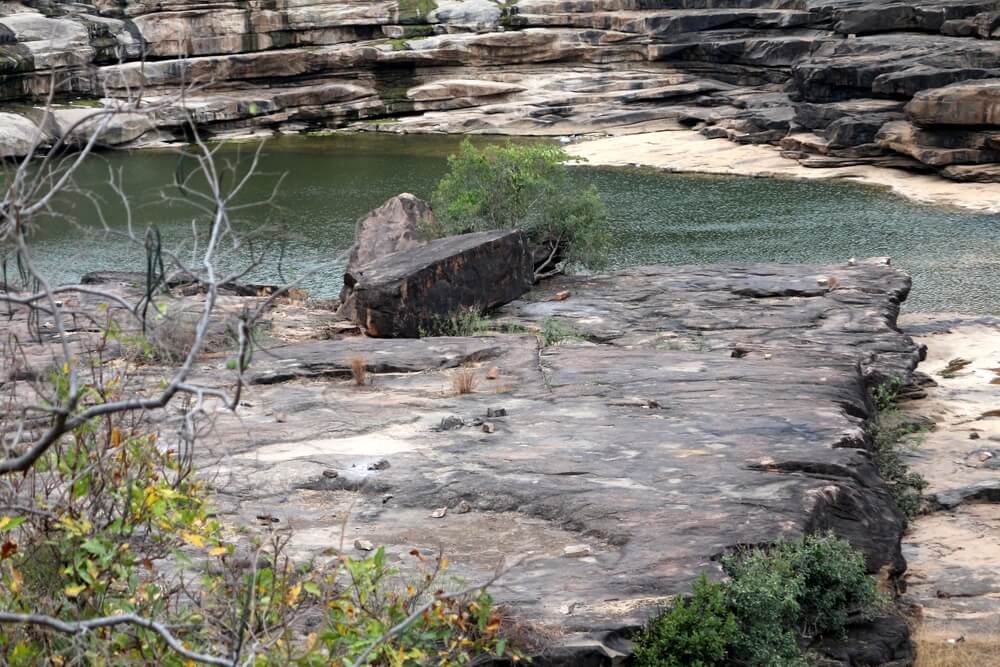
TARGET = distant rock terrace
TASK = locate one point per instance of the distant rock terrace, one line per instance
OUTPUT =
(913, 85)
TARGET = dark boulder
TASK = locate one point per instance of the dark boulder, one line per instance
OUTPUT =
(393, 226)
(402, 294)
(882, 641)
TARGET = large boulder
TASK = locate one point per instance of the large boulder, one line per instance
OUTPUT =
(403, 294)
(393, 226)
(18, 135)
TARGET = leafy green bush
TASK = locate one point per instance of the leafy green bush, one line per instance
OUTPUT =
(522, 186)
(691, 633)
(835, 584)
(773, 598)
(764, 592)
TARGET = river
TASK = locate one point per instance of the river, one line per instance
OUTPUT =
(329, 181)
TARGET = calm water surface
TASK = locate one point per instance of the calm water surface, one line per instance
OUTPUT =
(329, 182)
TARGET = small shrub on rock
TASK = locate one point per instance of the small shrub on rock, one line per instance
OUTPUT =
(691, 633)
(892, 437)
(775, 600)
(522, 186)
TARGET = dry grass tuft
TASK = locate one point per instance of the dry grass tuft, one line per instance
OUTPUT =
(979, 650)
(464, 381)
(359, 370)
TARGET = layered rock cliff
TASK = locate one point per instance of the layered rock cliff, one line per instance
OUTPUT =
(914, 85)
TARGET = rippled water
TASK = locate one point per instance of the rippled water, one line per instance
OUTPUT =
(953, 256)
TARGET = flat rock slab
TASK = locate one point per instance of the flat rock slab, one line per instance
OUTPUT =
(618, 465)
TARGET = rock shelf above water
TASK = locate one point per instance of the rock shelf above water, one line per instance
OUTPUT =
(826, 80)
(694, 409)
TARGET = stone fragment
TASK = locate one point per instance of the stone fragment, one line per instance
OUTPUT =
(439, 513)
(363, 545)
(489, 427)
(577, 550)
(463, 507)
(405, 293)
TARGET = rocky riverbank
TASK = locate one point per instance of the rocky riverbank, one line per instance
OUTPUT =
(661, 416)
(953, 552)
(832, 83)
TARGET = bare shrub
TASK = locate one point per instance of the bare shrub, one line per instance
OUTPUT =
(464, 380)
(359, 370)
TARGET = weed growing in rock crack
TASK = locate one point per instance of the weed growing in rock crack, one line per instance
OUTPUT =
(464, 381)
(359, 370)
(892, 437)
(463, 322)
(554, 331)
(773, 599)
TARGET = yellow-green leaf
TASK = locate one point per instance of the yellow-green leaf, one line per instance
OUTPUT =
(73, 591)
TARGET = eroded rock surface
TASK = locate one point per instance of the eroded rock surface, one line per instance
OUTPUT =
(740, 70)
(686, 411)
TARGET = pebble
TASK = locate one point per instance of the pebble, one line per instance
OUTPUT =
(439, 513)
(496, 412)
(331, 474)
(363, 545)
(489, 427)
(577, 550)
(463, 508)
(381, 464)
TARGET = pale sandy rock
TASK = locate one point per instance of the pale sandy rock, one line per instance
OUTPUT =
(113, 128)
(966, 103)
(17, 135)
(450, 88)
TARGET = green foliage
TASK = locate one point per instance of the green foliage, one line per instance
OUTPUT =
(555, 331)
(892, 438)
(773, 597)
(522, 186)
(410, 10)
(835, 585)
(763, 593)
(119, 523)
(464, 322)
(691, 633)
(886, 395)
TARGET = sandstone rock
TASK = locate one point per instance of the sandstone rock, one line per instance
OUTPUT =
(403, 293)
(616, 442)
(966, 103)
(941, 148)
(394, 226)
(18, 135)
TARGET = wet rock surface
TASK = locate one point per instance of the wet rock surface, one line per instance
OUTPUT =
(739, 70)
(686, 411)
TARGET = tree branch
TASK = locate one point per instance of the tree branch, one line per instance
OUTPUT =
(80, 627)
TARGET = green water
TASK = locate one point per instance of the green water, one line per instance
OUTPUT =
(329, 182)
